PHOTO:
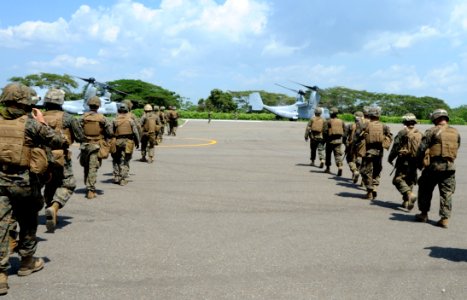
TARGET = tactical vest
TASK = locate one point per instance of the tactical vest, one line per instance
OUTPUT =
(173, 115)
(411, 142)
(13, 151)
(445, 143)
(317, 125)
(150, 123)
(335, 127)
(123, 125)
(54, 119)
(92, 125)
(374, 133)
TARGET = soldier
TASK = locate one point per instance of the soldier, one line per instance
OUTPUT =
(127, 137)
(164, 120)
(173, 120)
(150, 123)
(96, 146)
(129, 104)
(315, 132)
(352, 158)
(374, 138)
(158, 113)
(61, 185)
(438, 151)
(405, 149)
(23, 134)
(334, 137)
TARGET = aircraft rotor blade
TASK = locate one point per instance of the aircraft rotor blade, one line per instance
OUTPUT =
(296, 91)
(313, 88)
(88, 80)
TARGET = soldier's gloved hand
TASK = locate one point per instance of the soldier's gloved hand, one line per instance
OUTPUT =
(306, 139)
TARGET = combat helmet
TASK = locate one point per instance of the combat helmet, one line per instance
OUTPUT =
(55, 96)
(17, 92)
(318, 111)
(94, 101)
(148, 107)
(409, 118)
(333, 111)
(156, 108)
(374, 111)
(122, 108)
(366, 109)
(128, 103)
(162, 108)
(438, 113)
(358, 114)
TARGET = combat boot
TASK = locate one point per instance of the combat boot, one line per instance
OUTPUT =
(328, 170)
(51, 216)
(312, 163)
(123, 182)
(443, 222)
(375, 193)
(339, 171)
(30, 264)
(421, 217)
(143, 159)
(355, 176)
(91, 195)
(3, 283)
(411, 199)
(321, 164)
(369, 195)
(12, 244)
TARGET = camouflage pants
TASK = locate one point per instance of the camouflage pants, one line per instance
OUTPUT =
(353, 161)
(317, 145)
(371, 171)
(22, 204)
(148, 141)
(338, 154)
(121, 159)
(61, 186)
(446, 181)
(173, 127)
(90, 171)
(406, 176)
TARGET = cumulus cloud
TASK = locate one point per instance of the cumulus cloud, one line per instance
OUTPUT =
(64, 61)
(398, 79)
(459, 15)
(275, 48)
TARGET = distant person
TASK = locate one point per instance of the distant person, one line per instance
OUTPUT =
(334, 137)
(209, 116)
(127, 138)
(164, 120)
(60, 187)
(150, 123)
(375, 137)
(437, 152)
(351, 151)
(96, 146)
(23, 136)
(173, 120)
(404, 150)
(315, 133)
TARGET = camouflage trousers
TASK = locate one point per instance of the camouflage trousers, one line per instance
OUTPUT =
(317, 145)
(338, 154)
(371, 171)
(353, 161)
(121, 159)
(148, 141)
(173, 125)
(91, 167)
(406, 175)
(61, 186)
(446, 181)
(23, 205)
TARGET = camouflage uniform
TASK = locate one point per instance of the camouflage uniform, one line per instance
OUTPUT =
(62, 183)
(173, 120)
(19, 187)
(89, 157)
(440, 144)
(334, 137)
(316, 137)
(164, 120)
(405, 176)
(373, 152)
(127, 136)
(150, 123)
(351, 153)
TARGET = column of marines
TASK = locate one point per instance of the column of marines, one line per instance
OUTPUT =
(35, 154)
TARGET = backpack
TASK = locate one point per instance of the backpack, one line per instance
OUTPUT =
(412, 142)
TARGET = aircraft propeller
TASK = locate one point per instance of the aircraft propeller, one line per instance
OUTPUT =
(92, 80)
(300, 92)
(313, 88)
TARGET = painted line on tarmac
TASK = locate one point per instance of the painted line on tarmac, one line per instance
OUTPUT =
(207, 143)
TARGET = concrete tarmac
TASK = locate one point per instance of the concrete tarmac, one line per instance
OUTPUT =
(232, 210)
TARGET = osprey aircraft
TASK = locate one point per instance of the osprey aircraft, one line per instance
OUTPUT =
(303, 109)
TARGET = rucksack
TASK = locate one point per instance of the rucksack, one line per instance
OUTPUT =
(412, 143)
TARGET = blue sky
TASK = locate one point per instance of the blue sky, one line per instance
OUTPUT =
(405, 47)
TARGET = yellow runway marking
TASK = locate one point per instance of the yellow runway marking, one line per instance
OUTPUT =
(207, 143)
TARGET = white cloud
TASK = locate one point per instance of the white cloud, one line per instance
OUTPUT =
(65, 61)
(274, 48)
(398, 79)
(388, 41)
(459, 15)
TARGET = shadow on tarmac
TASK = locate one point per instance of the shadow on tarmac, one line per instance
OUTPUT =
(386, 204)
(448, 253)
(351, 195)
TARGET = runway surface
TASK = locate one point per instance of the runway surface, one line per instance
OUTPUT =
(232, 210)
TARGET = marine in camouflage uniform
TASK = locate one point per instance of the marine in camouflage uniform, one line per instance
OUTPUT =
(98, 132)
(20, 132)
(351, 153)
(172, 115)
(375, 137)
(159, 133)
(314, 131)
(437, 153)
(150, 123)
(164, 120)
(405, 176)
(127, 137)
(62, 183)
(334, 137)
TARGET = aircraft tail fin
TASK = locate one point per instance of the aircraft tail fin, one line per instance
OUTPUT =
(255, 102)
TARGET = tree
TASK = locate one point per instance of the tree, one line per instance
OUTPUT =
(48, 80)
(220, 101)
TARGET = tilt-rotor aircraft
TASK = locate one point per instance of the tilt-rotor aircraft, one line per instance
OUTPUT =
(92, 88)
(303, 109)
